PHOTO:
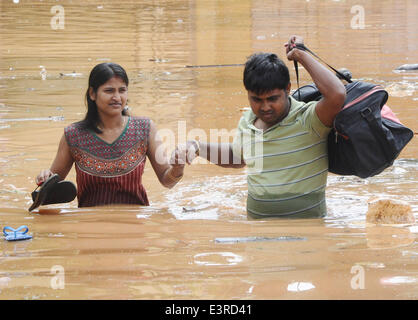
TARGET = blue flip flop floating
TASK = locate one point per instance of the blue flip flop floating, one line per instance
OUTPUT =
(16, 234)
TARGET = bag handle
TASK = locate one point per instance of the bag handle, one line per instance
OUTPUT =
(302, 47)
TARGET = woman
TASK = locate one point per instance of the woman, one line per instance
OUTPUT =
(109, 147)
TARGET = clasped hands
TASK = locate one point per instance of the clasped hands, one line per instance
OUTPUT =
(185, 153)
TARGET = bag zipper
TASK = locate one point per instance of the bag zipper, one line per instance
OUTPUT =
(339, 134)
(363, 96)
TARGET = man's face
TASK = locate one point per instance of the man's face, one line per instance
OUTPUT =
(270, 107)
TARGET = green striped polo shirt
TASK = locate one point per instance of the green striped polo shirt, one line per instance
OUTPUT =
(287, 163)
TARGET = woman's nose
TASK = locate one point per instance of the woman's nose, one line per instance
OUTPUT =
(116, 96)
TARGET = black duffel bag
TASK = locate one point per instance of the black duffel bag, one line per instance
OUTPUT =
(367, 136)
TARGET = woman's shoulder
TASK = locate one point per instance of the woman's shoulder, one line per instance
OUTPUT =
(140, 118)
(140, 121)
(75, 127)
(75, 133)
(139, 127)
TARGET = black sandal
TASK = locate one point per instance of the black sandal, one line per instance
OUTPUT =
(39, 196)
(64, 191)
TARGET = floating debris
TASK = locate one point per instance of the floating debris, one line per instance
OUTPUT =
(389, 211)
(43, 72)
(401, 89)
(52, 118)
(408, 67)
(258, 239)
(158, 60)
(215, 65)
(15, 190)
(71, 74)
(217, 259)
(300, 286)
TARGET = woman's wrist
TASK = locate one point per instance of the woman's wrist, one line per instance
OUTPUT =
(175, 173)
(196, 143)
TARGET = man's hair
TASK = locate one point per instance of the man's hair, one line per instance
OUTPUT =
(265, 72)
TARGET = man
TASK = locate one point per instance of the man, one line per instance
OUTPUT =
(282, 142)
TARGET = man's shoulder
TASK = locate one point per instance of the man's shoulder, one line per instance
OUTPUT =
(305, 113)
(246, 118)
(300, 111)
(301, 106)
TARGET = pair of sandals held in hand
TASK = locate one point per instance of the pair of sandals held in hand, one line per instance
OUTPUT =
(52, 191)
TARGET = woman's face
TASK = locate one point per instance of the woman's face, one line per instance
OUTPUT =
(110, 97)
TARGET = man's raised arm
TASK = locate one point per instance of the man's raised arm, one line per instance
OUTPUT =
(332, 90)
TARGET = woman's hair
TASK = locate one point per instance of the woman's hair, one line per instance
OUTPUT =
(100, 74)
(265, 72)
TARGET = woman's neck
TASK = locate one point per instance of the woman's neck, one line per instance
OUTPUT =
(112, 123)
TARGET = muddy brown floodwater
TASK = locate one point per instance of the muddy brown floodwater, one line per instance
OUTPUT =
(195, 241)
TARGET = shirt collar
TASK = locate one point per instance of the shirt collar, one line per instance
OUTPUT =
(252, 117)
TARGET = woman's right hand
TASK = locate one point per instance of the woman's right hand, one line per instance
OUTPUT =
(43, 176)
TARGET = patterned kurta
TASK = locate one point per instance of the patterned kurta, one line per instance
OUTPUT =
(110, 173)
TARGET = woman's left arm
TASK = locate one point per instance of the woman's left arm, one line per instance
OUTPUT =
(168, 174)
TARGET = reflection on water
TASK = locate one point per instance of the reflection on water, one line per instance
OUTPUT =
(383, 237)
(300, 286)
(195, 241)
(217, 259)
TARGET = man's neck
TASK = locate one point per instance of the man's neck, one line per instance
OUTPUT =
(260, 124)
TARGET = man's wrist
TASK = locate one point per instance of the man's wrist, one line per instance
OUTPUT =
(299, 55)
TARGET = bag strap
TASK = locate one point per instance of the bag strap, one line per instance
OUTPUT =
(295, 63)
(302, 47)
